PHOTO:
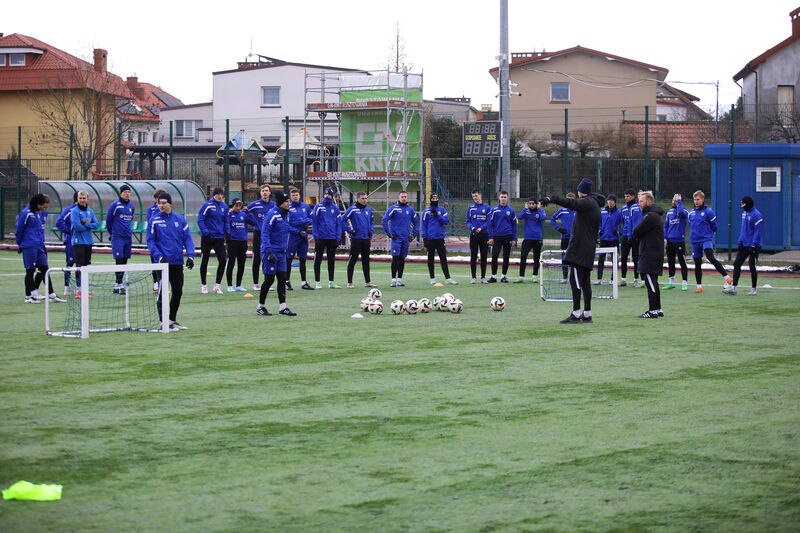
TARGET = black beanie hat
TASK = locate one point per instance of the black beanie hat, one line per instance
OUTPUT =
(585, 186)
(748, 203)
(124, 188)
(280, 197)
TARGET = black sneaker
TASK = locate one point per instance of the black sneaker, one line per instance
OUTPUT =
(287, 312)
(289, 286)
(305, 286)
(649, 314)
(492, 280)
(586, 319)
(122, 290)
(660, 314)
(504, 280)
(571, 319)
(174, 326)
(263, 311)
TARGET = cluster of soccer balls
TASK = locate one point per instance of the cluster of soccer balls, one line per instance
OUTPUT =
(445, 303)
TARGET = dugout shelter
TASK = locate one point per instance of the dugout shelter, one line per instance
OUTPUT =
(187, 197)
(770, 174)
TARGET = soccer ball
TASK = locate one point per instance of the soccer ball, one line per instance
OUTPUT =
(365, 303)
(438, 303)
(412, 307)
(375, 307)
(447, 297)
(456, 306)
(397, 307)
(424, 305)
(497, 303)
(375, 294)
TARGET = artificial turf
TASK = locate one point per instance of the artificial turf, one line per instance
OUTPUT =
(481, 421)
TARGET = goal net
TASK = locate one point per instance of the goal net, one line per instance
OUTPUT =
(105, 305)
(554, 283)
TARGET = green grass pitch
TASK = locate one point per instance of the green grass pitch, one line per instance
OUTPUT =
(483, 421)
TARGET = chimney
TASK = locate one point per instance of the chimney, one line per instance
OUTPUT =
(100, 59)
(132, 82)
(795, 16)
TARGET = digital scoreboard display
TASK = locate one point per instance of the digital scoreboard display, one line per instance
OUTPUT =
(481, 139)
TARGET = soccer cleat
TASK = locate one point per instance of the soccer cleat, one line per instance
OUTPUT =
(263, 311)
(563, 281)
(586, 319)
(597, 282)
(534, 279)
(66, 291)
(400, 283)
(393, 284)
(289, 286)
(287, 312)
(623, 283)
(318, 285)
(519, 280)
(306, 286)
(484, 281)
(217, 290)
(31, 300)
(433, 282)
(473, 281)
(668, 286)
(239, 288)
(698, 290)
(451, 281)
(649, 314)
(174, 326)
(492, 280)
(636, 284)
(684, 287)
(351, 286)
(256, 287)
(504, 280)
(332, 285)
(370, 284)
(729, 290)
(231, 289)
(122, 291)
(728, 280)
(78, 294)
(56, 299)
(571, 319)
(116, 290)
(660, 313)
(753, 292)
(203, 289)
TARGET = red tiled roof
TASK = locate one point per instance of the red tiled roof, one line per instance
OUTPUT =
(550, 55)
(753, 63)
(54, 69)
(684, 139)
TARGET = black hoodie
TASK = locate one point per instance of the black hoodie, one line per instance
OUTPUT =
(650, 234)
(585, 226)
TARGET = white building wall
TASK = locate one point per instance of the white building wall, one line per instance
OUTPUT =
(202, 112)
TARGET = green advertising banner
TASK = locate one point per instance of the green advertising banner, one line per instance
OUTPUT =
(365, 143)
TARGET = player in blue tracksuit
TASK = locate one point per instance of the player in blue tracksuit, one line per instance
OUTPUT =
(610, 226)
(478, 224)
(274, 241)
(675, 237)
(29, 236)
(750, 242)
(212, 221)
(65, 226)
(83, 222)
(167, 236)
(401, 224)
(258, 210)
(533, 217)
(359, 222)
(326, 222)
(118, 221)
(631, 216)
(702, 227)
(152, 210)
(562, 223)
(433, 221)
(299, 225)
(502, 234)
(238, 220)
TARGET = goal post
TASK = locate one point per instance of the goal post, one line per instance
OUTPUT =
(101, 308)
(554, 281)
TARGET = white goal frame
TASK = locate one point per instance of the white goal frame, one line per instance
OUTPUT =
(86, 272)
(611, 269)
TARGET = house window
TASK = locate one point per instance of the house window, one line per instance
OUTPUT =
(2, 60)
(155, 136)
(786, 105)
(559, 92)
(270, 96)
(768, 179)
(661, 118)
(187, 128)
(130, 136)
(16, 60)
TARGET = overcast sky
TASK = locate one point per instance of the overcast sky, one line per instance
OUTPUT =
(177, 44)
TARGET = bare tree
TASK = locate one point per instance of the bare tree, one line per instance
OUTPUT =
(398, 61)
(783, 124)
(77, 109)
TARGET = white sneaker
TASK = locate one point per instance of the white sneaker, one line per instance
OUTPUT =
(753, 292)
(174, 326)
(473, 282)
(484, 281)
(635, 283)
(240, 289)
(256, 287)
(318, 285)
(31, 300)
(433, 281)
(203, 289)
(231, 289)
(217, 290)
(56, 299)
(451, 281)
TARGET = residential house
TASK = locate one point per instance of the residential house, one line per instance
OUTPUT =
(458, 109)
(140, 116)
(45, 91)
(770, 94)
(674, 105)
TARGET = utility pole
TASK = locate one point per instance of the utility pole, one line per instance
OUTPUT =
(505, 160)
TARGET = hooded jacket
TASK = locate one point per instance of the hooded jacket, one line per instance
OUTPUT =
(326, 220)
(359, 221)
(167, 236)
(675, 223)
(433, 227)
(750, 234)
(213, 219)
(585, 227)
(30, 229)
(650, 234)
(702, 224)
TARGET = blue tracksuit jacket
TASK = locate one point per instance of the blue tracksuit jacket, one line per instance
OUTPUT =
(64, 223)
(359, 222)
(326, 221)
(532, 223)
(631, 215)
(503, 222)
(702, 224)
(237, 224)
(213, 218)
(401, 221)
(565, 216)
(167, 236)
(610, 224)
(82, 233)
(119, 218)
(478, 217)
(299, 216)
(751, 228)
(258, 210)
(432, 227)
(274, 233)
(675, 223)
(30, 229)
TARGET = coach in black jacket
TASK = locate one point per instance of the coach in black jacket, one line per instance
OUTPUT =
(582, 245)
(650, 234)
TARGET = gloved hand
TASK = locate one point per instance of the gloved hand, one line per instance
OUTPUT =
(425, 243)
(163, 260)
(271, 258)
(435, 212)
(392, 236)
(544, 201)
(758, 249)
(189, 263)
(616, 233)
(303, 234)
(227, 238)
(369, 234)
(19, 250)
(562, 231)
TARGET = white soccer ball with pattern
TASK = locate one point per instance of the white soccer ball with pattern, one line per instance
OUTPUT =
(438, 303)
(375, 294)
(375, 307)
(424, 305)
(456, 306)
(365, 303)
(412, 307)
(447, 297)
(397, 307)
(497, 303)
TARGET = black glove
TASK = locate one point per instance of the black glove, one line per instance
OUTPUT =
(616, 233)
(189, 263)
(369, 234)
(425, 243)
(163, 260)
(544, 201)
(392, 236)
(303, 234)
(757, 249)
(562, 231)
(271, 258)
(435, 212)
(227, 238)
(19, 250)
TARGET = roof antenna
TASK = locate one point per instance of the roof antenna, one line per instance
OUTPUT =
(251, 49)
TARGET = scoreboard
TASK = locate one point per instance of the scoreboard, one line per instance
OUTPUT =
(481, 139)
